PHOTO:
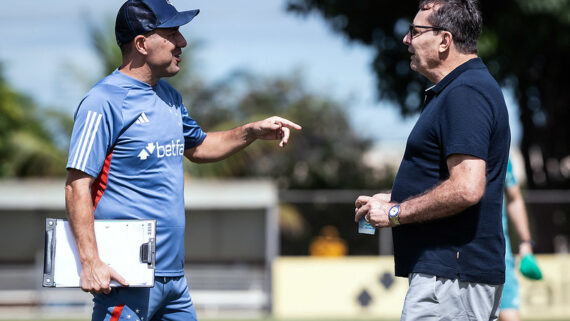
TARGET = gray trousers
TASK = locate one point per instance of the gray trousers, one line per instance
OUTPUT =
(435, 298)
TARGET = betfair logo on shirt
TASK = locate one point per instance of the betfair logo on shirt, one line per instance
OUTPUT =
(168, 150)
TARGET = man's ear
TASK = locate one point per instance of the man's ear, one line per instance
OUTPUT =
(140, 44)
(446, 40)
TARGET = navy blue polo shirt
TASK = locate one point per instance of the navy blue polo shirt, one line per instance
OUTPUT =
(465, 113)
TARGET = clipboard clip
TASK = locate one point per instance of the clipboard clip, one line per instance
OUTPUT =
(49, 254)
(148, 253)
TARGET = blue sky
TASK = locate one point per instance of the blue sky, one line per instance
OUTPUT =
(41, 38)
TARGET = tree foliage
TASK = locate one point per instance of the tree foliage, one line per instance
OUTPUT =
(27, 146)
(524, 43)
(326, 154)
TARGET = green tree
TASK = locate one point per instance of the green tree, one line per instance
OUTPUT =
(326, 154)
(525, 44)
(27, 145)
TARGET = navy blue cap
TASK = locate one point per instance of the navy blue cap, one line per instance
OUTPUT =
(137, 17)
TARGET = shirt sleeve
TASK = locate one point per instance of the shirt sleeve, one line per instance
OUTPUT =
(467, 123)
(193, 133)
(95, 129)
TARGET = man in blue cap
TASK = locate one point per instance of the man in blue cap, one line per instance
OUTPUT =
(130, 134)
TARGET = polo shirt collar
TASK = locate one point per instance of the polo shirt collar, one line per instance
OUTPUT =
(475, 63)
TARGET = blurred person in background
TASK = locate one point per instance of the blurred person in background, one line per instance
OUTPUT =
(445, 204)
(131, 132)
(515, 209)
(328, 243)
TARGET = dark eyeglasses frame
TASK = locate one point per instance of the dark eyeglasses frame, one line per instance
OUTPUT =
(413, 34)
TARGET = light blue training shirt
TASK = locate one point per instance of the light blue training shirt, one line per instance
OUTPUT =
(131, 137)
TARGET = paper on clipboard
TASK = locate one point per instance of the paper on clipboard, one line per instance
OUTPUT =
(128, 246)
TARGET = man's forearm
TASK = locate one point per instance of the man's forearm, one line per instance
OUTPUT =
(220, 145)
(446, 199)
(464, 188)
(516, 211)
(81, 220)
(95, 274)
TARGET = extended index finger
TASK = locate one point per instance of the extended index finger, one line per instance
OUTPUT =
(288, 123)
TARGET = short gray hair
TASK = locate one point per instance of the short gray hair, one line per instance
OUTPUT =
(462, 18)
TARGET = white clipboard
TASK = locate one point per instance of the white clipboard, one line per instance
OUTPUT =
(128, 246)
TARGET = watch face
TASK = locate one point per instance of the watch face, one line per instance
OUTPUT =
(393, 211)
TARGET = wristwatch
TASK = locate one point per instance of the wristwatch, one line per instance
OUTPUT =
(394, 214)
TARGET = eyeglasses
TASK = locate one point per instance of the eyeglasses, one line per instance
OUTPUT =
(413, 33)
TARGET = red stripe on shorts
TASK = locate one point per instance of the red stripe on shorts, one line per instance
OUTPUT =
(117, 312)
